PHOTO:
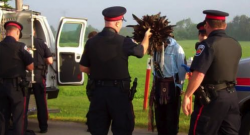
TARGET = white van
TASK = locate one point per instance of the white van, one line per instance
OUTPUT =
(67, 47)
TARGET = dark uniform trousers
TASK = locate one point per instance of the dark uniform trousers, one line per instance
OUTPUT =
(167, 115)
(39, 91)
(12, 101)
(219, 117)
(110, 105)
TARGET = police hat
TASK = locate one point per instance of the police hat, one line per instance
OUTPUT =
(114, 13)
(200, 27)
(16, 24)
(13, 23)
(215, 15)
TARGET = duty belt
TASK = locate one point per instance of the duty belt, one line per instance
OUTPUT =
(9, 80)
(2, 80)
(107, 83)
(220, 86)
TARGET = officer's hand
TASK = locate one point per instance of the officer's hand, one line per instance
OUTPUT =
(148, 34)
(186, 105)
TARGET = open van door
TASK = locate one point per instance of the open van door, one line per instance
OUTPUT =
(70, 45)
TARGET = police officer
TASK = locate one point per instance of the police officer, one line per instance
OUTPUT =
(202, 35)
(42, 58)
(214, 68)
(14, 60)
(90, 35)
(105, 59)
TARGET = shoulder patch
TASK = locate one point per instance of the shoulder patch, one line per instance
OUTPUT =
(199, 50)
(27, 49)
(134, 41)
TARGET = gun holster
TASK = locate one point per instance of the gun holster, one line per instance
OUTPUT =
(89, 88)
(203, 96)
(23, 85)
(133, 90)
(212, 91)
(22, 82)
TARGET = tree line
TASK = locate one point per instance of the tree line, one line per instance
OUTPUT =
(238, 28)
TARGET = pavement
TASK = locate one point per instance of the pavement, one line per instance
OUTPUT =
(75, 128)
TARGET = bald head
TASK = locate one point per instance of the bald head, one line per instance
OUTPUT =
(117, 25)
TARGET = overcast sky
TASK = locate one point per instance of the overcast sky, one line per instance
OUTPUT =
(175, 10)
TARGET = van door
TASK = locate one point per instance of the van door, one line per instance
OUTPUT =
(23, 17)
(70, 45)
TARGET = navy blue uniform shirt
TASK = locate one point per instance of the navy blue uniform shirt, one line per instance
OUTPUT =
(25, 55)
(129, 47)
(43, 46)
(217, 57)
(42, 51)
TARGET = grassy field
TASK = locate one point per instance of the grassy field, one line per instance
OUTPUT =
(73, 103)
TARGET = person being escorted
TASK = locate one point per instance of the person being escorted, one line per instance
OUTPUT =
(105, 59)
(214, 73)
(169, 76)
(14, 60)
(92, 34)
(42, 58)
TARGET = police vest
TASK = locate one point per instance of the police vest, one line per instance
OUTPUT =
(108, 61)
(12, 65)
(227, 53)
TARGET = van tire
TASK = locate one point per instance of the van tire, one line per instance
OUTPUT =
(245, 124)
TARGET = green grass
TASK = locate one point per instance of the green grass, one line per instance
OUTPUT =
(69, 44)
(73, 103)
(74, 107)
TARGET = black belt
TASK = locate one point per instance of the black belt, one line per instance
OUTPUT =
(111, 83)
(9, 80)
(221, 86)
(2, 80)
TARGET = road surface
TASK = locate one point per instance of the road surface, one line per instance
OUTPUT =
(75, 128)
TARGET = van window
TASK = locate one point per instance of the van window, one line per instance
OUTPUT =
(70, 35)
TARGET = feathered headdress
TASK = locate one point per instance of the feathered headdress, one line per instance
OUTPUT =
(160, 29)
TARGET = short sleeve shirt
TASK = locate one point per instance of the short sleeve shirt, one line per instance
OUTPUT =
(203, 58)
(43, 47)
